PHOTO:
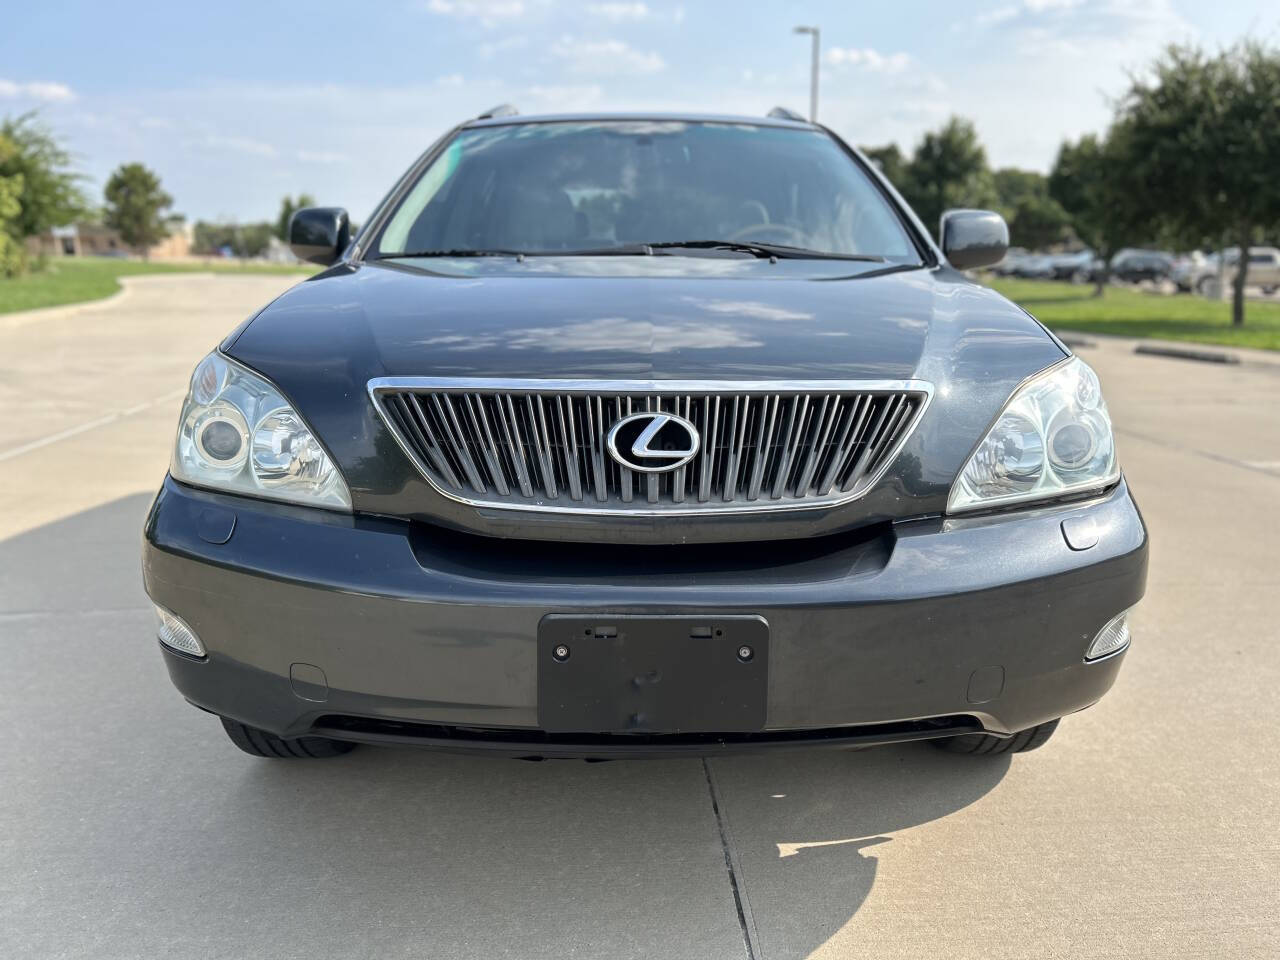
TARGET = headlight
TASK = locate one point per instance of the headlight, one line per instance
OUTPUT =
(238, 434)
(1052, 438)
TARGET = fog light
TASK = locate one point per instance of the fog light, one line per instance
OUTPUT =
(176, 634)
(1112, 638)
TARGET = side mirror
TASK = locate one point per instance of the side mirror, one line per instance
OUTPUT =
(973, 238)
(319, 234)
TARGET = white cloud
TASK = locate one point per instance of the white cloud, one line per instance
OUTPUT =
(868, 59)
(608, 57)
(998, 15)
(1039, 6)
(566, 98)
(490, 49)
(36, 90)
(449, 80)
(253, 148)
(488, 12)
(1084, 28)
(619, 12)
(321, 157)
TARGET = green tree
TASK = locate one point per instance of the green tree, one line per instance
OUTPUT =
(13, 258)
(1093, 182)
(890, 161)
(51, 193)
(242, 239)
(1204, 136)
(1035, 218)
(136, 206)
(288, 207)
(948, 169)
(1037, 221)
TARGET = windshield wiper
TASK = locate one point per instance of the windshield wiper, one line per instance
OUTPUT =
(780, 250)
(763, 251)
(619, 250)
(450, 253)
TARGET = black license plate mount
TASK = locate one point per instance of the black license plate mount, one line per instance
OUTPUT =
(652, 674)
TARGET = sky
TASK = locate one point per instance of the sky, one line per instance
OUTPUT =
(236, 104)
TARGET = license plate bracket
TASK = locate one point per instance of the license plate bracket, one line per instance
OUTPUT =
(652, 674)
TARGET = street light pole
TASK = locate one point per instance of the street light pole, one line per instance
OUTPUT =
(815, 33)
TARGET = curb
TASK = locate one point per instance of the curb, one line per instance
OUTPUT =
(20, 318)
(1078, 343)
(1186, 353)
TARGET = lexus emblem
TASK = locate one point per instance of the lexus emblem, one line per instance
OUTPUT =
(653, 442)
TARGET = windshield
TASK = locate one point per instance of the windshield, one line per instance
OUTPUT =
(565, 187)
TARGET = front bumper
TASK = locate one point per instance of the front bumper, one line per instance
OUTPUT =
(375, 629)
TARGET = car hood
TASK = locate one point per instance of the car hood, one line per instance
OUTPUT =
(638, 318)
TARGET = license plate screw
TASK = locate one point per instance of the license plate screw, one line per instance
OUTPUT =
(745, 653)
(560, 653)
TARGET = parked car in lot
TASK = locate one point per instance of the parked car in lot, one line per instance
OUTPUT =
(1190, 269)
(622, 436)
(1035, 267)
(1203, 274)
(1066, 266)
(1133, 266)
(1009, 263)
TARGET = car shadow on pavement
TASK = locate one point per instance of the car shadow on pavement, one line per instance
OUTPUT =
(808, 828)
(122, 787)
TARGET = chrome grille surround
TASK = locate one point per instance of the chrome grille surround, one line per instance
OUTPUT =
(540, 444)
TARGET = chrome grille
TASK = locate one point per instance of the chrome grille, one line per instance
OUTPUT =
(541, 444)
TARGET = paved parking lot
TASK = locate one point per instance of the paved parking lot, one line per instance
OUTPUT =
(130, 827)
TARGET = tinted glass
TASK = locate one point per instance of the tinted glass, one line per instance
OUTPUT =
(562, 187)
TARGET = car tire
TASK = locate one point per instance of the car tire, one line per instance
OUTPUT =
(259, 743)
(985, 743)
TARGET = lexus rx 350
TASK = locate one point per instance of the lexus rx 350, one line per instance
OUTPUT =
(634, 435)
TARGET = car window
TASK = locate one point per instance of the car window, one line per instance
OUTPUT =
(564, 186)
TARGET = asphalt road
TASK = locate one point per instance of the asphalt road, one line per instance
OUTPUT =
(129, 826)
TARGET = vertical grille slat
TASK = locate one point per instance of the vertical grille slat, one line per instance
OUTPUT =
(457, 439)
(416, 418)
(763, 436)
(532, 444)
(569, 439)
(859, 467)
(538, 428)
(515, 447)
(822, 430)
(488, 449)
(841, 449)
(678, 479)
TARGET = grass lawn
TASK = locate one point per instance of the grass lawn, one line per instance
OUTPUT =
(74, 280)
(1132, 313)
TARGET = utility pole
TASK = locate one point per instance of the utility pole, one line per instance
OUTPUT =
(813, 72)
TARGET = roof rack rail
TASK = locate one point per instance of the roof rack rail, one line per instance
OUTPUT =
(501, 110)
(782, 113)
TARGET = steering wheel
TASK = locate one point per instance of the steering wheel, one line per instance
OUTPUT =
(778, 232)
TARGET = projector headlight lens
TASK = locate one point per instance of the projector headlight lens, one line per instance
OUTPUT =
(279, 458)
(1053, 438)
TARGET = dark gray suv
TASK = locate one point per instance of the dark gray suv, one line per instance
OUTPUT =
(635, 435)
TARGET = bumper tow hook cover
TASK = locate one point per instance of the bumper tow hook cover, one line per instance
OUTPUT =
(215, 524)
(1081, 533)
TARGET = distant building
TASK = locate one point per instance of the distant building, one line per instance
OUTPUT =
(95, 240)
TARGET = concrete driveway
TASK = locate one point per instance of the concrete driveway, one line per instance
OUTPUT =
(130, 827)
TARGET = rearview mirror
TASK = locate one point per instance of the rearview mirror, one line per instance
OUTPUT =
(973, 238)
(319, 234)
